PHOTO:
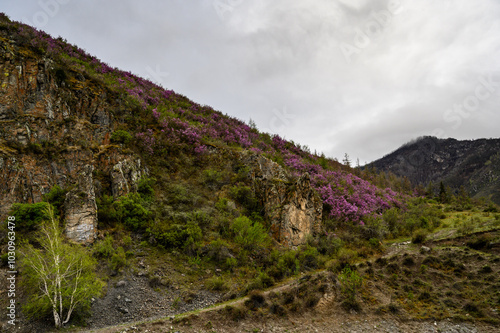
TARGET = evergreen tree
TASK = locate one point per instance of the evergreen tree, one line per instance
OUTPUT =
(429, 192)
(346, 160)
(443, 194)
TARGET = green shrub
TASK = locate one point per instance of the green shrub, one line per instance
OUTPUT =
(419, 236)
(118, 259)
(213, 179)
(248, 234)
(309, 258)
(121, 136)
(285, 264)
(218, 250)
(178, 236)
(345, 258)
(104, 248)
(350, 282)
(217, 283)
(129, 211)
(245, 197)
(145, 187)
(262, 281)
(106, 211)
(56, 197)
(29, 216)
(231, 263)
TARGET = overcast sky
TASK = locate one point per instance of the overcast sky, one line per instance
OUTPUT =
(348, 76)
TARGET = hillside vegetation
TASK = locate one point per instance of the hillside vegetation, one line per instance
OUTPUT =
(193, 222)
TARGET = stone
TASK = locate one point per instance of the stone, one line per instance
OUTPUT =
(425, 249)
(125, 176)
(121, 284)
(81, 209)
(292, 206)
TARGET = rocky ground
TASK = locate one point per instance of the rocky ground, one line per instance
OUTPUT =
(454, 293)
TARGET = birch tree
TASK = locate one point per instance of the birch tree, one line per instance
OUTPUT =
(58, 277)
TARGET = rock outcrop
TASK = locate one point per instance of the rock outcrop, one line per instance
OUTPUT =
(55, 125)
(124, 177)
(81, 209)
(292, 206)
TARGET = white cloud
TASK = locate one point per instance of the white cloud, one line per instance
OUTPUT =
(260, 56)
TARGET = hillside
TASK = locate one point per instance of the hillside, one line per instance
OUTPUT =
(174, 206)
(473, 164)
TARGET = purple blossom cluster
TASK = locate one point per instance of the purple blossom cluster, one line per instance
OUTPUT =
(348, 197)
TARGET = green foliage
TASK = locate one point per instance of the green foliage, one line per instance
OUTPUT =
(104, 248)
(58, 278)
(129, 210)
(118, 259)
(245, 196)
(419, 236)
(106, 211)
(56, 197)
(217, 283)
(285, 264)
(218, 250)
(29, 216)
(213, 179)
(180, 197)
(350, 282)
(261, 281)
(145, 187)
(177, 235)
(121, 136)
(250, 235)
(309, 258)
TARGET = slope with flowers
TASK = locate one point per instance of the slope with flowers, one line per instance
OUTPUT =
(164, 174)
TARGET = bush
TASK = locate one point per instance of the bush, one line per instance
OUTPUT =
(121, 136)
(262, 281)
(213, 179)
(145, 187)
(419, 236)
(309, 258)
(29, 216)
(248, 234)
(245, 197)
(216, 283)
(255, 300)
(104, 248)
(118, 259)
(350, 282)
(178, 236)
(129, 210)
(284, 264)
(56, 197)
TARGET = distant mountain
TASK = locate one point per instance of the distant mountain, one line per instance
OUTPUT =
(474, 164)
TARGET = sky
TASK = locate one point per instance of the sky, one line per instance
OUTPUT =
(360, 77)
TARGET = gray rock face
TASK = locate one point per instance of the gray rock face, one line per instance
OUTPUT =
(125, 176)
(302, 213)
(292, 206)
(81, 209)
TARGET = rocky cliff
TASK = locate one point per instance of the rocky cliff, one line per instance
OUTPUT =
(474, 164)
(55, 130)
